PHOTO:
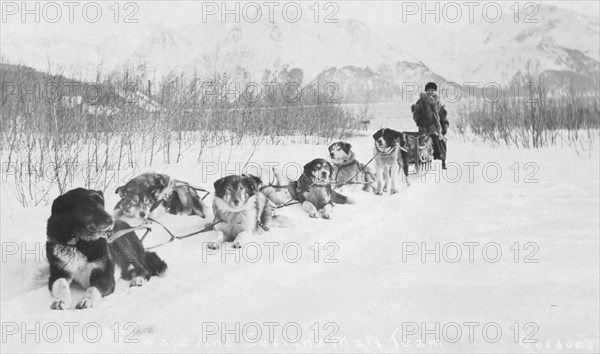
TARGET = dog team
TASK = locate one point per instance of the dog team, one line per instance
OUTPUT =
(87, 244)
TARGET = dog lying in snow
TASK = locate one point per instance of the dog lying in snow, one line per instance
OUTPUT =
(240, 209)
(77, 249)
(347, 170)
(146, 192)
(313, 189)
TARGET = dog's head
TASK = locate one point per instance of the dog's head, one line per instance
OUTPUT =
(79, 213)
(135, 202)
(235, 190)
(139, 195)
(318, 170)
(386, 138)
(340, 151)
(253, 183)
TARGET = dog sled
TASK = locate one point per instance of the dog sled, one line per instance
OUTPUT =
(419, 148)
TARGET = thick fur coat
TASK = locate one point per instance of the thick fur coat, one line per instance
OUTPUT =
(430, 115)
(432, 118)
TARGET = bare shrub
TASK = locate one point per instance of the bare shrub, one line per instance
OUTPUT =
(533, 121)
(64, 137)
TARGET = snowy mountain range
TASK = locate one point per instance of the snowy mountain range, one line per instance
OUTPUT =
(563, 46)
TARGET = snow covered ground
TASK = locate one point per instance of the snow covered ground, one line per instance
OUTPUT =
(524, 221)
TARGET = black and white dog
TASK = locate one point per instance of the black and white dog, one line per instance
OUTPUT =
(390, 157)
(77, 249)
(313, 189)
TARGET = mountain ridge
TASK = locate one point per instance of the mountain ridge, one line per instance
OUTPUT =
(348, 50)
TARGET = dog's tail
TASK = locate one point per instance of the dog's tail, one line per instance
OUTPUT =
(338, 198)
(404, 156)
(293, 190)
(184, 199)
(156, 265)
(370, 178)
(404, 164)
(198, 206)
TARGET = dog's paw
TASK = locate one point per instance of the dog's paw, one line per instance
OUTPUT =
(385, 189)
(394, 191)
(378, 193)
(313, 214)
(59, 305)
(85, 303)
(237, 245)
(326, 215)
(137, 281)
(212, 246)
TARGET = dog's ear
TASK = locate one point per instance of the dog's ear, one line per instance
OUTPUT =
(101, 194)
(120, 191)
(330, 169)
(253, 183)
(331, 147)
(400, 137)
(413, 108)
(378, 134)
(309, 166)
(219, 184)
(161, 182)
(423, 97)
(156, 189)
(256, 180)
(346, 147)
(59, 204)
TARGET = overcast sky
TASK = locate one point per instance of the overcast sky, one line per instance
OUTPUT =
(377, 15)
(381, 12)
